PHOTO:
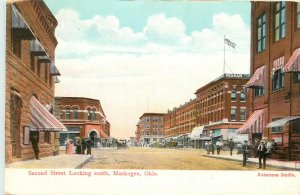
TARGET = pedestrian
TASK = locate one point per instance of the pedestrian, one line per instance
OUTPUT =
(231, 146)
(89, 144)
(212, 148)
(83, 145)
(256, 144)
(219, 146)
(274, 145)
(208, 147)
(78, 146)
(262, 154)
(245, 151)
(70, 149)
(35, 145)
(98, 144)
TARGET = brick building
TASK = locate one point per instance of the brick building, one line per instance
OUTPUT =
(83, 117)
(221, 107)
(275, 82)
(179, 122)
(30, 79)
(150, 128)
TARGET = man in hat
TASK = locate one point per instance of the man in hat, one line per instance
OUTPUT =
(231, 146)
(89, 144)
(245, 151)
(262, 154)
(35, 145)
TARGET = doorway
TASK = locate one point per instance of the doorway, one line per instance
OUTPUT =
(15, 123)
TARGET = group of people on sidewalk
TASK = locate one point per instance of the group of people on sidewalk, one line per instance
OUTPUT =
(81, 144)
(210, 147)
(262, 149)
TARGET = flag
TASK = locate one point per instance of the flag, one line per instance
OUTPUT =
(228, 42)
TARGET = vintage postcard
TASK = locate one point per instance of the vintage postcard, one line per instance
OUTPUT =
(151, 97)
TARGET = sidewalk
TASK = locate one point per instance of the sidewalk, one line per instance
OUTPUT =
(62, 161)
(288, 165)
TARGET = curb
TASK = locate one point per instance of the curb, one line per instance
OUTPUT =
(84, 162)
(252, 162)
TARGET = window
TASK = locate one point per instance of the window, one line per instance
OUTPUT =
(47, 137)
(16, 47)
(296, 78)
(46, 73)
(279, 20)
(147, 120)
(67, 113)
(277, 129)
(298, 15)
(243, 114)
(233, 114)
(60, 115)
(93, 114)
(278, 80)
(261, 33)
(233, 95)
(259, 91)
(243, 96)
(75, 113)
(89, 114)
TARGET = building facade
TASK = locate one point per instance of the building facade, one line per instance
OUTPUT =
(83, 117)
(180, 121)
(150, 128)
(275, 82)
(30, 79)
(221, 107)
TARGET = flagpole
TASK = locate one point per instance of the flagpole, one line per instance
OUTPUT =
(224, 56)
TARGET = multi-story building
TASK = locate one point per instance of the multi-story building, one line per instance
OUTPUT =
(83, 117)
(221, 107)
(150, 127)
(275, 82)
(30, 79)
(180, 121)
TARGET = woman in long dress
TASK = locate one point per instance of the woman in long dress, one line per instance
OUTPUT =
(70, 149)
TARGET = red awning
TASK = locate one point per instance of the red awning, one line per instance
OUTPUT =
(278, 64)
(293, 65)
(254, 124)
(41, 119)
(103, 134)
(258, 78)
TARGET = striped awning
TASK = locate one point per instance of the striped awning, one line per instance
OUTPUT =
(103, 134)
(41, 119)
(258, 78)
(293, 65)
(278, 64)
(254, 124)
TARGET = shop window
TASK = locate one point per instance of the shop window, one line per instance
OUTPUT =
(278, 80)
(47, 137)
(233, 95)
(277, 129)
(261, 33)
(296, 77)
(233, 114)
(243, 96)
(280, 20)
(243, 114)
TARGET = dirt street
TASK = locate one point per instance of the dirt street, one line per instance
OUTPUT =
(161, 159)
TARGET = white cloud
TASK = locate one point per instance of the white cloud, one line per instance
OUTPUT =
(158, 68)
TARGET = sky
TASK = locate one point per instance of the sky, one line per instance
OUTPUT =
(146, 56)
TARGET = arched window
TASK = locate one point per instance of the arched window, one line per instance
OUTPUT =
(67, 113)
(75, 113)
(89, 113)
